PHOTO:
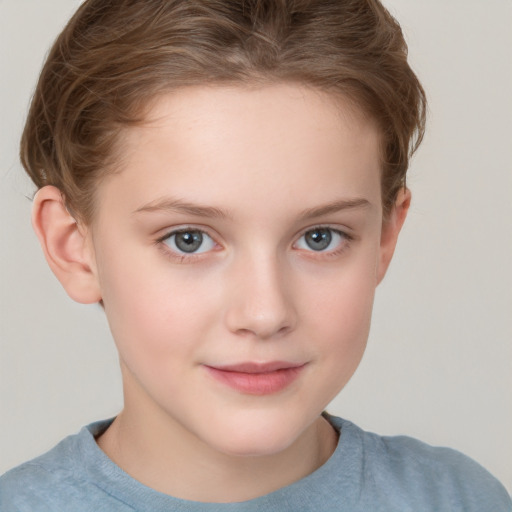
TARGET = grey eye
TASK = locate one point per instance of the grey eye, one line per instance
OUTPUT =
(318, 239)
(321, 239)
(190, 241)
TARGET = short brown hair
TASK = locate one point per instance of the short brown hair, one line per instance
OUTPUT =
(113, 57)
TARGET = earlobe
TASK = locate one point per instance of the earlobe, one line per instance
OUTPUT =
(65, 246)
(391, 227)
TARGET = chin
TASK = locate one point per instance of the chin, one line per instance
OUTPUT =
(261, 447)
(256, 437)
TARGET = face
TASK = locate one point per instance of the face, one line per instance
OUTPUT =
(237, 253)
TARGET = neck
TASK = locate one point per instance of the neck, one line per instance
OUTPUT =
(164, 456)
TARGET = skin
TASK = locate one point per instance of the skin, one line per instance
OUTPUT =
(255, 169)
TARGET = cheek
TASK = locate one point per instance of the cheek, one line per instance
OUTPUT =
(344, 319)
(342, 299)
(339, 320)
(153, 312)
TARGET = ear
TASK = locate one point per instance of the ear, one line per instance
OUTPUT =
(391, 227)
(66, 246)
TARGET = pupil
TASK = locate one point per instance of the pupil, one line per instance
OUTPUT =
(189, 241)
(319, 239)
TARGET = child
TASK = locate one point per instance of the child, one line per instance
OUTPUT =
(227, 179)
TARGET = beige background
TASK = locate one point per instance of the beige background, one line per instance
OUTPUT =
(438, 366)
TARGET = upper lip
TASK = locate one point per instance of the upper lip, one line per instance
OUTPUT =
(256, 367)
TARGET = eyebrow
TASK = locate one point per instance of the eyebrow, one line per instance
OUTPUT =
(335, 206)
(180, 206)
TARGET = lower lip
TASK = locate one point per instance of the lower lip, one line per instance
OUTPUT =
(257, 383)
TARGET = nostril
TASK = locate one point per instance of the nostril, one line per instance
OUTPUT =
(263, 326)
(261, 304)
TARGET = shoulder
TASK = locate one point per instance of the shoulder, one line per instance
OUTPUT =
(36, 483)
(404, 470)
(51, 482)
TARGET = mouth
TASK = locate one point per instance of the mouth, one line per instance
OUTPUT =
(257, 378)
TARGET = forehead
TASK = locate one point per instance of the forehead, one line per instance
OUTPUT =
(240, 145)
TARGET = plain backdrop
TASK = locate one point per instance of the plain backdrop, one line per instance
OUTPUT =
(438, 365)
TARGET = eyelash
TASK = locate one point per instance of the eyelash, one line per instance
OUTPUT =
(183, 256)
(346, 239)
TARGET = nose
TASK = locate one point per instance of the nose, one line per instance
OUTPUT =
(260, 300)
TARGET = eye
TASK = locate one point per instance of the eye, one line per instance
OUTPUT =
(321, 240)
(189, 241)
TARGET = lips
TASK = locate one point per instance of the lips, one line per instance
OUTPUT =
(257, 378)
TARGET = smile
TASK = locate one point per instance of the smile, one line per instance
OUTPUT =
(256, 378)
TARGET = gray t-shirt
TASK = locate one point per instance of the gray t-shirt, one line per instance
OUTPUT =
(366, 473)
